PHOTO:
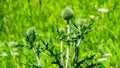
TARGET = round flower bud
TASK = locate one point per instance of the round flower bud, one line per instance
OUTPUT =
(30, 35)
(81, 23)
(67, 13)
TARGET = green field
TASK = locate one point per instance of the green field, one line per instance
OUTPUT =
(16, 16)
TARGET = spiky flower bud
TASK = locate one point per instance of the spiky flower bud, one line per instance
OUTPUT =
(82, 23)
(30, 35)
(67, 13)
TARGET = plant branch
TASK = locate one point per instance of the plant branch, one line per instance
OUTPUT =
(37, 56)
(61, 50)
(68, 46)
(76, 52)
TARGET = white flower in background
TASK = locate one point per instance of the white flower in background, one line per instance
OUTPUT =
(108, 54)
(92, 16)
(102, 59)
(102, 10)
(11, 43)
(4, 54)
(14, 53)
(13, 50)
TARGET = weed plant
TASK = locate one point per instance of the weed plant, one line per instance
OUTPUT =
(76, 32)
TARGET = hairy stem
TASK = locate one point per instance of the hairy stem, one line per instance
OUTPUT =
(68, 46)
(61, 50)
(76, 52)
(37, 56)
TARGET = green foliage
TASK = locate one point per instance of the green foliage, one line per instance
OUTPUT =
(16, 16)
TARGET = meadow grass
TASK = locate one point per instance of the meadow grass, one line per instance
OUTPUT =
(16, 16)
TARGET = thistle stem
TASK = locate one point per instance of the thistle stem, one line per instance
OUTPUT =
(61, 50)
(76, 52)
(37, 56)
(68, 46)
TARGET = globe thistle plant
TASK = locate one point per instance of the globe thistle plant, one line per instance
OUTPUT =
(30, 35)
(30, 38)
(67, 14)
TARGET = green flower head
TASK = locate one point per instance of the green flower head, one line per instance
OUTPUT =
(67, 13)
(30, 35)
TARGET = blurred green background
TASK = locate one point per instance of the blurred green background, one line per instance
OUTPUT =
(16, 16)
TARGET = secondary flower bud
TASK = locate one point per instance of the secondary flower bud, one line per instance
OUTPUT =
(81, 23)
(67, 13)
(30, 35)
